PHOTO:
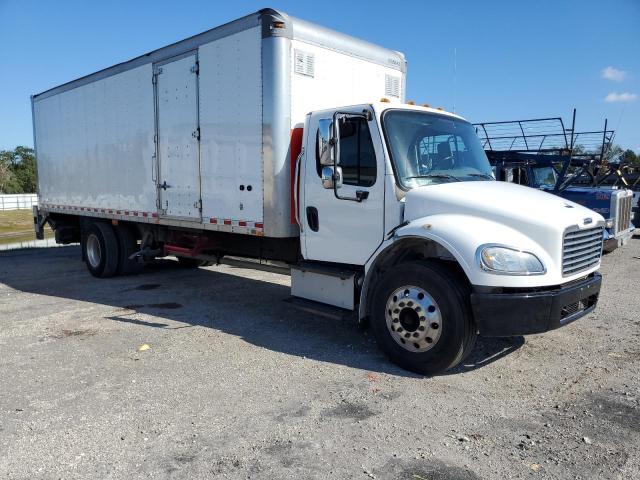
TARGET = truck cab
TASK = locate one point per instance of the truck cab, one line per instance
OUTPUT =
(433, 250)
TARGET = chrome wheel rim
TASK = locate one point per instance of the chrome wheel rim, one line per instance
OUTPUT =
(413, 318)
(94, 253)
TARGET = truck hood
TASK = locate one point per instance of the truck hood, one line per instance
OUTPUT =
(462, 216)
(501, 202)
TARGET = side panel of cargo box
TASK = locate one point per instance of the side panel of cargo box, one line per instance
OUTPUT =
(323, 78)
(231, 128)
(95, 144)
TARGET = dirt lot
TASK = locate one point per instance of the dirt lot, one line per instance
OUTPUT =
(239, 384)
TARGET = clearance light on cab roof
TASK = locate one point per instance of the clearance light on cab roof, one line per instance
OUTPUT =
(411, 102)
(440, 108)
(385, 100)
(426, 105)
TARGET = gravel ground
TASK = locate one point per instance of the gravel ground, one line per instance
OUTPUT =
(237, 383)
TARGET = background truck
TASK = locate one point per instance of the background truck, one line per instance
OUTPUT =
(263, 138)
(543, 154)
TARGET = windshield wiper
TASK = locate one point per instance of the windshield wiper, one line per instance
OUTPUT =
(437, 175)
(482, 175)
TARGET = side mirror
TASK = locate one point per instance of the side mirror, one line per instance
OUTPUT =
(325, 147)
(331, 177)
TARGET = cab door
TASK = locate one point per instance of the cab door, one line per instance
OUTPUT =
(339, 227)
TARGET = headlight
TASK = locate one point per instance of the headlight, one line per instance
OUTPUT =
(609, 223)
(509, 261)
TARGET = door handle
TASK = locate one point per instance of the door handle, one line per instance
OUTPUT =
(312, 218)
(164, 185)
(362, 195)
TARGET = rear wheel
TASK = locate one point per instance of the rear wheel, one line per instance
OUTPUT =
(100, 249)
(128, 245)
(421, 317)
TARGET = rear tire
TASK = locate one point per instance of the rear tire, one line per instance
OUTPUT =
(128, 245)
(421, 317)
(100, 249)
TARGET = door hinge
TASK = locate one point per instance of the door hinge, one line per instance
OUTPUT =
(196, 68)
(154, 78)
(196, 134)
(198, 205)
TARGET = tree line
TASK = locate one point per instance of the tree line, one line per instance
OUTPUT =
(18, 173)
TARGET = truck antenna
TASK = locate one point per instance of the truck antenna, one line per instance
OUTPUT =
(455, 71)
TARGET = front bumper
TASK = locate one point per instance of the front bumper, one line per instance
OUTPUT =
(622, 238)
(523, 313)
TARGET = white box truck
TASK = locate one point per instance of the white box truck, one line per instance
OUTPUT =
(273, 138)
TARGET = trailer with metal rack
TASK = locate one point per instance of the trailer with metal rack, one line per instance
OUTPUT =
(543, 154)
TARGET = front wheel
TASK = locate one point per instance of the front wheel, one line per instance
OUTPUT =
(421, 317)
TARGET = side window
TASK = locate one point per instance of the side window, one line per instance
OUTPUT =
(357, 155)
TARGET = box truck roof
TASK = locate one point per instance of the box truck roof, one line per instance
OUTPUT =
(274, 23)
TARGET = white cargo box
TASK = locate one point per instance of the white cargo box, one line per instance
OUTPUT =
(197, 134)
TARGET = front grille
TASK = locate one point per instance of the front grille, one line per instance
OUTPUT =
(581, 250)
(623, 213)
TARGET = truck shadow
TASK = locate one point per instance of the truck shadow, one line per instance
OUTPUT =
(251, 307)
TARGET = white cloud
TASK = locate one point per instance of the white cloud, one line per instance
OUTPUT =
(614, 74)
(620, 97)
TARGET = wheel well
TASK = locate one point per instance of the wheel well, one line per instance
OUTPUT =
(404, 251)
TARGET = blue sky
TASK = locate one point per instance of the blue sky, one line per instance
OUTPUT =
(514, 59)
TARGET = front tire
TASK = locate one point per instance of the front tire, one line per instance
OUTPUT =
(100, 249)
(421, 317)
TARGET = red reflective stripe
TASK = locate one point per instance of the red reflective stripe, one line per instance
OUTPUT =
(242, 224)
(144, 214)
(258, 225)
(213, 220)
(227, 222)
(154, 215)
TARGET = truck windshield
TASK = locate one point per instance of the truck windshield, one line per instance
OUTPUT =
(544, 177)
(429, 149)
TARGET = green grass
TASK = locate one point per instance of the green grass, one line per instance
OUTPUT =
(17, 226)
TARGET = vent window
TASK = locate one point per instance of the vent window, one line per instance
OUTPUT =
(392, 86)
(304, 63)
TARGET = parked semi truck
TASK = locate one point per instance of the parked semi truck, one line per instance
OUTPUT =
(264, 138)
(541, 153)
